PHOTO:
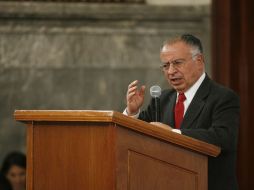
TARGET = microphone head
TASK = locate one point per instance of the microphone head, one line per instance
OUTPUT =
(155, 91)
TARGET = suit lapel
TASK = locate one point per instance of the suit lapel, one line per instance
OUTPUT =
(196, 104)
(171, 109)
(168, 112)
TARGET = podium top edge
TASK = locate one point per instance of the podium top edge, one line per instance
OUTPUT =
(30, 116)
(63, 115)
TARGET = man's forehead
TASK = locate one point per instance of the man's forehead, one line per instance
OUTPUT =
(177, 47)
(168, 48)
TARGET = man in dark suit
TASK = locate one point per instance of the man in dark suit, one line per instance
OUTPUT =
(196, 107)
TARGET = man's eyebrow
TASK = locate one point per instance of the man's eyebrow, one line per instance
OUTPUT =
(179, 59)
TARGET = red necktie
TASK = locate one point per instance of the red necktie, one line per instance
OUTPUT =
(179, 110)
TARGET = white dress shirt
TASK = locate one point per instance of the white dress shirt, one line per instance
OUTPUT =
(189, 94)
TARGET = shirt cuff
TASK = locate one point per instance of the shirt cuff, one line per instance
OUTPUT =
(134, 116)
(177, 131)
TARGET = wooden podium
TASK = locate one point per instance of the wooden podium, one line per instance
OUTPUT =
(105, 150)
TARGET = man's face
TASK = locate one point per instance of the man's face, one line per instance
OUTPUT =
(181, 68)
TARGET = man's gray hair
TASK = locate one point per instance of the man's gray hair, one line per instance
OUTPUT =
(189, 39)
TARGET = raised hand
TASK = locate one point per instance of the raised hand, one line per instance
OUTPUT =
(134, 97)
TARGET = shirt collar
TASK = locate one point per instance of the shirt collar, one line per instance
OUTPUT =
(189, 94)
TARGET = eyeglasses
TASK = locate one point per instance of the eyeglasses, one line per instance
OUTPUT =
(176, 64)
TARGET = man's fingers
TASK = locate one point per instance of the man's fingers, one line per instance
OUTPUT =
(129, 96)
(135, 82)
(142, 90)
(132, 89)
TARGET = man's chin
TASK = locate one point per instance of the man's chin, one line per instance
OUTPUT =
(178, 88)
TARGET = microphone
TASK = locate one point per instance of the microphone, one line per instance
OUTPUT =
(155, 92)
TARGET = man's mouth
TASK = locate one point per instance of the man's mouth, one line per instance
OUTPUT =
(175, 80)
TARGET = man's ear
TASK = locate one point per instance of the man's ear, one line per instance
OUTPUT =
(200, 59)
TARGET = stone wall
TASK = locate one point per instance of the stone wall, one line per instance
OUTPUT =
(83, 56)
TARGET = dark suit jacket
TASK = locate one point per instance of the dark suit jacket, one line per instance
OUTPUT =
(213, 117)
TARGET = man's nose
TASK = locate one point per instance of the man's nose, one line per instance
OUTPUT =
(171, 69)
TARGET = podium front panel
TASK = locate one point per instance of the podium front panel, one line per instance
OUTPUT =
(148, 163)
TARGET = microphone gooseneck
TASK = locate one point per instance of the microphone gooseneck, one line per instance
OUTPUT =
(155, 92)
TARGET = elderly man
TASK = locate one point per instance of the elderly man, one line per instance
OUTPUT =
(196, 106)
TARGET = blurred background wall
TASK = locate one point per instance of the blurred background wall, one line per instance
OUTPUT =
(80, 55)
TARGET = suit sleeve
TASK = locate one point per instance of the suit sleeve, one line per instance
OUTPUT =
(146, 115)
